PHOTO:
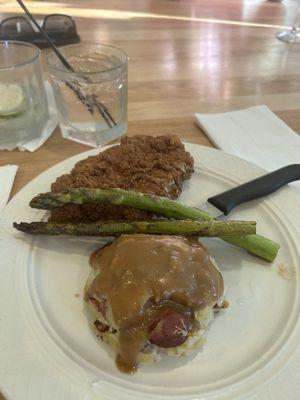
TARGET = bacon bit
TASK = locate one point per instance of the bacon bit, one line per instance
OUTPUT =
(101, 327)
(100, 305)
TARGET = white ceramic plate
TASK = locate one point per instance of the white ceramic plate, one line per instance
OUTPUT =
(247, 344)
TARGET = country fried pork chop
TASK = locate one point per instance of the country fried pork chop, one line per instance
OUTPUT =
(154, 165)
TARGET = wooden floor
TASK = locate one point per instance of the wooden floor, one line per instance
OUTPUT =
(185, 57)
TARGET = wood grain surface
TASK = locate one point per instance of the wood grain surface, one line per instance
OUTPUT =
(185, 56)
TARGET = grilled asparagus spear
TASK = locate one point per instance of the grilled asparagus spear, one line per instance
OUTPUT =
(159, 227)
(254, 244)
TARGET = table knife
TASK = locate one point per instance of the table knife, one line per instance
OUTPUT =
(225, 202)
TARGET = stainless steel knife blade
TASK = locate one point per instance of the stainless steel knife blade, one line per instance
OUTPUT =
(210, 209)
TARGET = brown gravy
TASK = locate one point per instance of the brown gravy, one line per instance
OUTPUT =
(142, 276)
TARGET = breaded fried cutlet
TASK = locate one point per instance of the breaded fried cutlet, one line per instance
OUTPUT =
(155, 165)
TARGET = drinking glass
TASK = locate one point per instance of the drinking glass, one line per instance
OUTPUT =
(92, 98)
(292, 35)
(23, 102)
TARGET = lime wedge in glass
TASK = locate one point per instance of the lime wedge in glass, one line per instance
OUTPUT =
(12, 99)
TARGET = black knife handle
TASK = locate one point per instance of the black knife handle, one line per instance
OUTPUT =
(256, 188)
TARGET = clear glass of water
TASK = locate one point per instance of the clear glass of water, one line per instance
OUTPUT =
(23, 102)
(92, 99)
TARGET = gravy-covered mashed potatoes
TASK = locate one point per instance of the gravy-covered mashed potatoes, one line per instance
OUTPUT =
(152, 294)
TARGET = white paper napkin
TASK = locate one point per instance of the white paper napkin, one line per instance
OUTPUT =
(7, 177)
(34, 144)
(255, 134)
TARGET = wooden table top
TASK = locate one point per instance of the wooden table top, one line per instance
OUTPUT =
(185, 57)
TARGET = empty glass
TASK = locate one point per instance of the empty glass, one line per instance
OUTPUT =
(92, 100)
(23, 103)
(292, 35)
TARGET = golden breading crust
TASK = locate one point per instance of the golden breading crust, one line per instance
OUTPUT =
(155, 165)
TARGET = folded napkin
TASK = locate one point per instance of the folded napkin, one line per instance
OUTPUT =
(7, 177)
(34, 144)
(255, 134)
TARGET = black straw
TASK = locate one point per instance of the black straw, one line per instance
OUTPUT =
(46, 36)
